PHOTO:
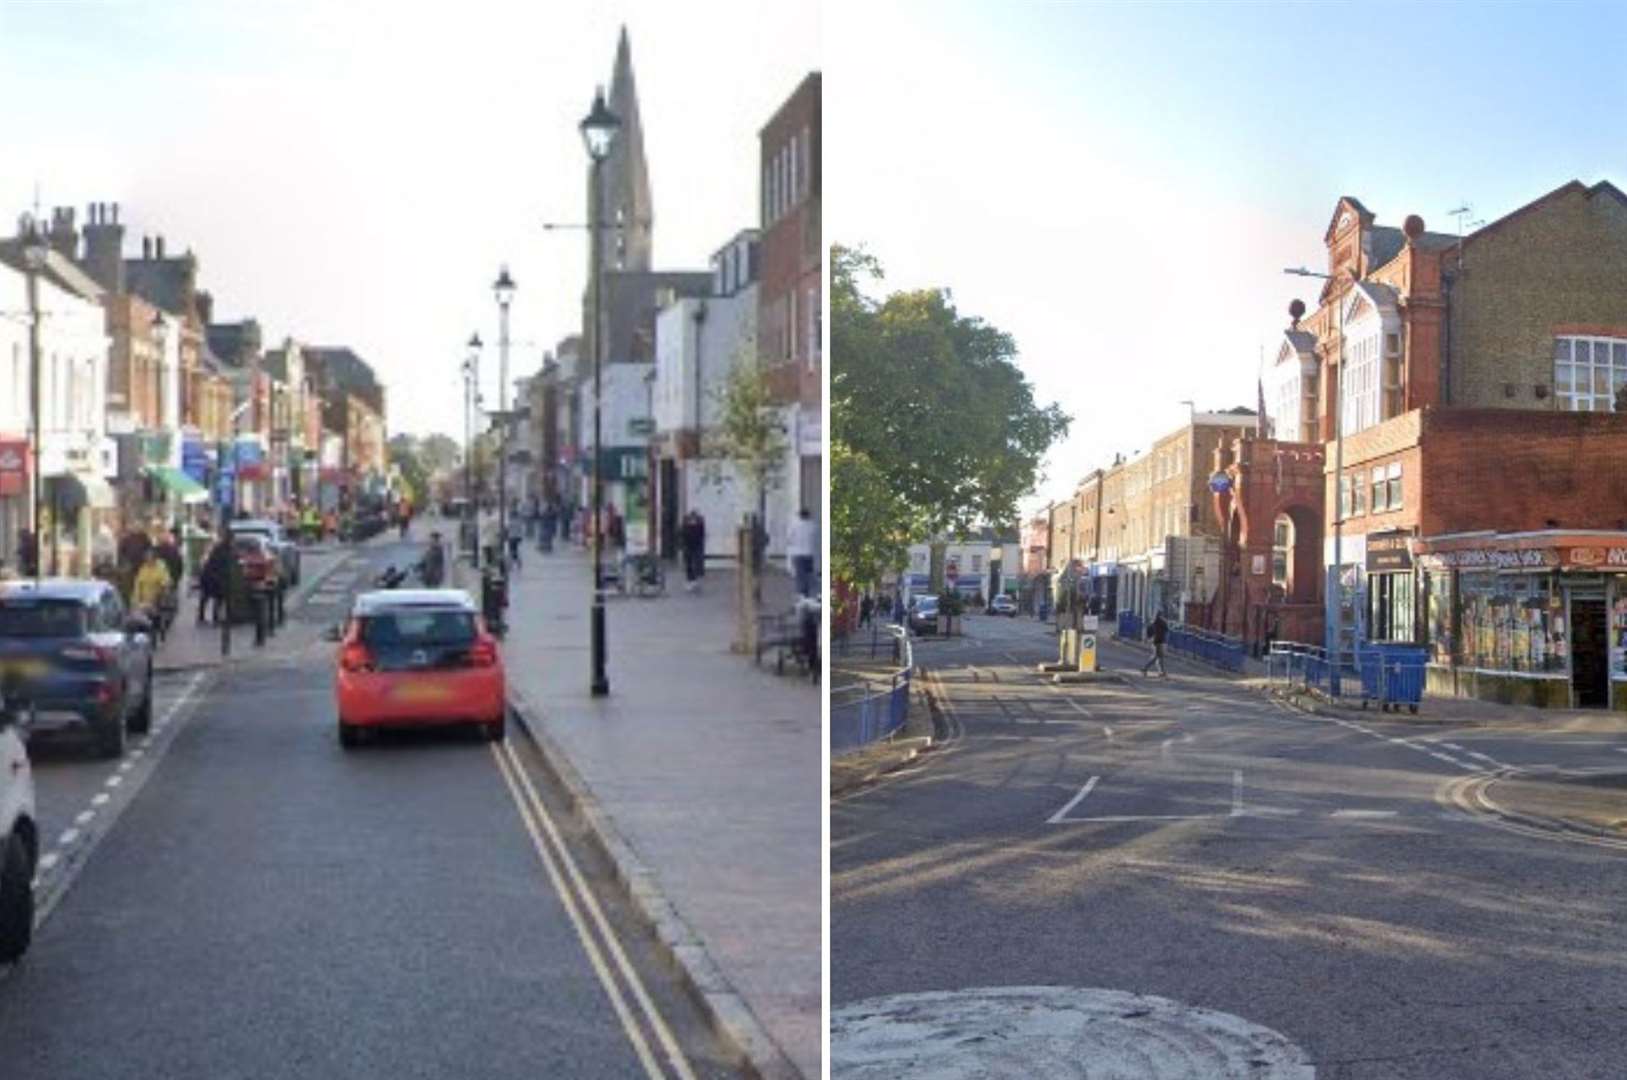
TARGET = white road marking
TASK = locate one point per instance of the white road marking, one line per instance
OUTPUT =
(99, 799)
(1237, 792)
(114, 781)
(1484, 757)
(1163, 748)
(138, 753)
(1057, 818)
(1448, 758)
(1364, 813)
(67, 838)
(1108, 732)
(1454, 746)
(126, 766)
(48, 860)
(84, 817)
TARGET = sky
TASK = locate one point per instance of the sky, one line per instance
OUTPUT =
(357, 173)
(1119, 186)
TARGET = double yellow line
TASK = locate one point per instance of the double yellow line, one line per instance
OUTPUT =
(574, 894)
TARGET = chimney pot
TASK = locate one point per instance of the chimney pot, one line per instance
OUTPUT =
(146, 247)
(158, 246)
(115, 213)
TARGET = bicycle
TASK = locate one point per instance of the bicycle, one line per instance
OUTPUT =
(644, 576)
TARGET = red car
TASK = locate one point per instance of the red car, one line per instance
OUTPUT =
(418, 657)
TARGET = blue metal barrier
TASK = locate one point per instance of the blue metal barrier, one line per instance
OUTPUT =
(872, 710)
(1392, 675)
(1130, 626)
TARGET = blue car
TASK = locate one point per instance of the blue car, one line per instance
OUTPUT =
(71, 656)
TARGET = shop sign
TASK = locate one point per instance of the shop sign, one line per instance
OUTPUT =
(13, 466)
(1496, 559)
(1388, 552)
(1597, 558)
(1220, 483)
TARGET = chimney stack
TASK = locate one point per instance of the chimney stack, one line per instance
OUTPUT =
(158, 247)
(104, 247)
(64, 239)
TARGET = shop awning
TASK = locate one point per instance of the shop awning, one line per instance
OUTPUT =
(70, 492)
(179, 484)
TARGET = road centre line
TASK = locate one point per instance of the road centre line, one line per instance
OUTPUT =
(675, 1054)
(1237, 792)
(1364, 813)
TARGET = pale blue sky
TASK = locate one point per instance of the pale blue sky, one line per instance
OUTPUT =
(355, 172)
(1120, 185)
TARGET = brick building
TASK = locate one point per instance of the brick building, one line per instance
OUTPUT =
(790, 290)
(1481, 498)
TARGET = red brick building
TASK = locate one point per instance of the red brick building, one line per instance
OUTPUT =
(1482, 499)
(790, 292)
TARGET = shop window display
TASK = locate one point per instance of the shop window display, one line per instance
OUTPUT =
(1439, 600)
(1512, 622)
(1618, 632)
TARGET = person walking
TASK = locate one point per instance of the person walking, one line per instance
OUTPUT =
(547, 522)
(689, 539)
(516, 534)
(151, 586)
(213, 582)
(432, 568)
(802, 546)
(1158, 632)
(866, 608)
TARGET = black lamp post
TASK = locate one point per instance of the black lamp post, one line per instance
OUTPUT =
(599, 130)
(471, 391)
(503, 290)
(34, 252)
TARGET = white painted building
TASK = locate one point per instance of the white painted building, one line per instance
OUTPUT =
(76, 456)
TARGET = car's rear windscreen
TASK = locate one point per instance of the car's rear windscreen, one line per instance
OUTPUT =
(418, 628)
(41, 618)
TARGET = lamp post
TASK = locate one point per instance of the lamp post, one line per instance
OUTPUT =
(1335, 585)
(34, 252)
(471, 397)
(599, 130)
(503, 290)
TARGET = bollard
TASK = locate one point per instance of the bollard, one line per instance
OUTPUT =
(226, 627)
(259, 618)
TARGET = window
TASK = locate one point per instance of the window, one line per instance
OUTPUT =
(1394, 479)
(814, 328)
(1282, 542)
(1380, 491)
(1359, 494)
(1588, 372)
(1358, 386)
(977, 564)
(1345, 506)
(1390, 607)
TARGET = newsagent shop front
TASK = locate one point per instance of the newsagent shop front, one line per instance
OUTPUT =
(1536, 618)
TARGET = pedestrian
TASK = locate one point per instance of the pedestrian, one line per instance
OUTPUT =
(169, 550)
(152, 582)
(547, 522)
(615, 529)
(801, 548)
(1158, 632)
(689, 541)
(516, 534)
(216, 577)
(28, 552)
(898, 606)
(432, 568)
(866, 607)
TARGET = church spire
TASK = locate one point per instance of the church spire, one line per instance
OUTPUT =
(626, 175)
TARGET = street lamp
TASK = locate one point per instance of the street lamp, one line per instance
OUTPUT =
(1335, 584)
(503, 290)
(34, 252)
(599, 130)
(471, 511)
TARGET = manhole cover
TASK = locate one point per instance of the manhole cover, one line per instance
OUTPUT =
(1053, 1031)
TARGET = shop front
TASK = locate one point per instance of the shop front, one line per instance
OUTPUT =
(1534, 618)
(14, 495)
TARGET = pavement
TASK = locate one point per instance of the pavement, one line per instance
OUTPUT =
(701, 775)
(1219, 878)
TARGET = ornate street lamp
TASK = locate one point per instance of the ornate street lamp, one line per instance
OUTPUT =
(503, 290)
(599, 129)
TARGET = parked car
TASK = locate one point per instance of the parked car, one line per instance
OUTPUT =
(284, 545)
(71, 656)
(418, 657)
(19, 839)
(1003, 605)
(262, 569)
(923, 615)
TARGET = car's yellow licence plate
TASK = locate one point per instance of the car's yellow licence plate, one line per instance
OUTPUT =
(422, 691)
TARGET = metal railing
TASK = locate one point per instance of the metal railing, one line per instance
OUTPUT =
(1207, 645)
(1390, 674)
(873, 709)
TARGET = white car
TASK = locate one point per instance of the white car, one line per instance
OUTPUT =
(1003, 605)
(19, 841)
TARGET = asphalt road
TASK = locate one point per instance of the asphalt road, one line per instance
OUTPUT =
(1269, 883)
(250, 900)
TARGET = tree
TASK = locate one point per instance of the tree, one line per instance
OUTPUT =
(933, 399)
(870, 526)
(749, 434)
(439, 453)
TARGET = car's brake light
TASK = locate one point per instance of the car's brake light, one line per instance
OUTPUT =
(355, 657)
(483, 653)
(87, 652)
